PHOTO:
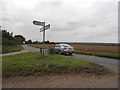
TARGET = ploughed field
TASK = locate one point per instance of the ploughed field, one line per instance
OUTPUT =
(94, 48)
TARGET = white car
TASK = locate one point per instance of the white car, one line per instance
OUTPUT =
(63, 49)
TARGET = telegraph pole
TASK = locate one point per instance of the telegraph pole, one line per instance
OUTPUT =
(43, 39)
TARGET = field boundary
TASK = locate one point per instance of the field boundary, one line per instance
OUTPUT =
(100, 54)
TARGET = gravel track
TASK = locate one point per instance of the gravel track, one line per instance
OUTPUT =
(63, 81)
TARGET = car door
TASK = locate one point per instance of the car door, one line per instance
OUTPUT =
(56, 49)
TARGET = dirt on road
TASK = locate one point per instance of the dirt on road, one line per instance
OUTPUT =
(63, 81)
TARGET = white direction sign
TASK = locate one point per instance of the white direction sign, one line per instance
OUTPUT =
(39, 23)
(45, 27)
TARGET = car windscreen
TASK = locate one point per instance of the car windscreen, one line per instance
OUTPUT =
(66, 46)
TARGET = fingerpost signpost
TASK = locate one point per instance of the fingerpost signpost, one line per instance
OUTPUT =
(43, 29)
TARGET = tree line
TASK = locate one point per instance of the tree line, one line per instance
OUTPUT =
(9, 40)
(38, 42)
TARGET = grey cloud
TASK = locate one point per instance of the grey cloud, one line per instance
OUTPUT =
(6, 19)
(77, 24)
(86, 22)
(99, 25)
(61, 29)
(56, 3)
(104, 37)
(75, 33)
(70, 26)
(82, 24)
(102, 13)
(48, 5)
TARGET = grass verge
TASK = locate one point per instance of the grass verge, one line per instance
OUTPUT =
(7, 49)
(32, 63)
(100, 54)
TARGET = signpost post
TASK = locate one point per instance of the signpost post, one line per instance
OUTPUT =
(42, 30)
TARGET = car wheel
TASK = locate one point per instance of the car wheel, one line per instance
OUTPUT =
(70, 53)
(60, 52)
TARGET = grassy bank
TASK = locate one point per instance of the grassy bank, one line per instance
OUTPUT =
(100, 54)
(33, 64)
(7, 49)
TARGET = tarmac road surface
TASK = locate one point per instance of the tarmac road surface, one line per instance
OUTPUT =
(110, 63)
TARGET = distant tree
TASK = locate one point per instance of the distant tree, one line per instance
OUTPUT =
(36, 42)
(19, 39)
(7, 38)
(6, 34)
(52, 43)
(28, 42)
(47, 42)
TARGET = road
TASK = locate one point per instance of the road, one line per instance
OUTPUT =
(109, 63)
(106, 62)
(29, 48)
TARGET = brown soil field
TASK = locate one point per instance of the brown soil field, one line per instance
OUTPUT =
(95, 48)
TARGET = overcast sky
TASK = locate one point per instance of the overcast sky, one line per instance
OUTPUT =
(70, 20)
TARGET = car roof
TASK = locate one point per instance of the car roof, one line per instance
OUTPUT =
(64, 44)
